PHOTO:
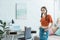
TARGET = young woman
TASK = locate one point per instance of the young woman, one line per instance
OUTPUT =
(46, 22)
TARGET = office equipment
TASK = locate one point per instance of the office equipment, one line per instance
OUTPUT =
(14, 27)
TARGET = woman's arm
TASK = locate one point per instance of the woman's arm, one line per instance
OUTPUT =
(50, 25)
(50, 21)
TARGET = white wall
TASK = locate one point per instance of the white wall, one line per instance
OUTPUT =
(7, 11)
(57, 9)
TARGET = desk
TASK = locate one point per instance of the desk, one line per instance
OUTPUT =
(14, 35)
(20, 32)
(33, 31)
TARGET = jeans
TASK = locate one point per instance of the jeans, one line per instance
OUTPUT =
(43, 34)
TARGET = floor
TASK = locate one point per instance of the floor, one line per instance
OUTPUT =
(54, 37)
(16, 38)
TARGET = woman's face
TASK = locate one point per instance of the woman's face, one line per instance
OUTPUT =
(43, 10)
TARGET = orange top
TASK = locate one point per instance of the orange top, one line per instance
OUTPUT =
(44, 22)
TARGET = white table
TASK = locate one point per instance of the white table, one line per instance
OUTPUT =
(19, 34)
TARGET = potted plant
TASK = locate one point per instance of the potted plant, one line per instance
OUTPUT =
(3, 24)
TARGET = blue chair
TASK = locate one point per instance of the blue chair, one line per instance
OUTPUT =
(28, 33)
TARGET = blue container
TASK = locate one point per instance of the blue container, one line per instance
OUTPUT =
(43, 34)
